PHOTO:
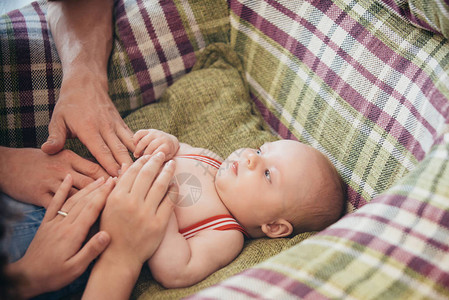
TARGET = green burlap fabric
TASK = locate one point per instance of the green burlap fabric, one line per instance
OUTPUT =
(210, 108)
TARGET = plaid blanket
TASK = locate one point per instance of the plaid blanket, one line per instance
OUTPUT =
(368, 86)
(363, 81)
(141, 67)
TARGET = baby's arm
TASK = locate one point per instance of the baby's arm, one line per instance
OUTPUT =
(180, 263)
(152, 141)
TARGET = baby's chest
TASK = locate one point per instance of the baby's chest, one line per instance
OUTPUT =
(196, 198)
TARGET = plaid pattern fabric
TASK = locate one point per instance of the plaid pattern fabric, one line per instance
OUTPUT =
(141, 67)
(360, 80)
(157, 42)
(396, 247)
(349, 78)
(370, 90)
(432, 15)
(29, 76)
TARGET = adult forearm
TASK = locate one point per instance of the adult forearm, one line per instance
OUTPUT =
(4, 159)
(82, 31)
(113, 277)
(13, 171)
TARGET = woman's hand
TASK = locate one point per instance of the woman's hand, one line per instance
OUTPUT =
(56, 256)
(136, 217)
(138, 209)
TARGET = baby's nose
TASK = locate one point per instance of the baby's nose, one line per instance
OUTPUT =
(252, 160)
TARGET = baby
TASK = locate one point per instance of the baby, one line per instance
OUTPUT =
(282, 188)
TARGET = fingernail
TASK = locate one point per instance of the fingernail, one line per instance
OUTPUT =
(103, 238)
(170, 163)
(99, 180)
(160, 154)
(119, 172)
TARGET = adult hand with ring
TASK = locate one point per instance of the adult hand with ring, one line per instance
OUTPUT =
(136, 217)
(56, 256)
(62, 213)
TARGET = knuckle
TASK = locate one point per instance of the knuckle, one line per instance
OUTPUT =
(104, 149)
(92, 205)
(67, 153)
(159, 186)
(85, 181)
(75, 269)
(92, 169)
(120, 148)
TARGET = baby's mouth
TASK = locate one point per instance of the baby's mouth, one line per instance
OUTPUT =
(235, 168)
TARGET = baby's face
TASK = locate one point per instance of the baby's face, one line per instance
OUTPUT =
(258, 184)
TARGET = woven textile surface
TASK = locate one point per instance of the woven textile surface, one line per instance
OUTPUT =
(351, 79)
(370, 90)
(141, 67)
(365, 82)
(210, 107)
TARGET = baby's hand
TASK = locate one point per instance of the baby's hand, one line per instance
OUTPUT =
(152, 141)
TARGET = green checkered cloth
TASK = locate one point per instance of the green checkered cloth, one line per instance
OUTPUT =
(367, 85)
(365, 82)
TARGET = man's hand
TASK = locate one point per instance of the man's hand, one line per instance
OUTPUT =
(84, 110)
(31, 176)
(82, 32)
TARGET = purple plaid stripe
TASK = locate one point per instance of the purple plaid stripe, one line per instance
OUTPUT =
(139, 60)
(271, 119)
(422, 211)
(287, 284)
(240, 290)
(425, 267)
(49, 74)
(404, 12)
(359, 102)
(30, 114)
(134, 53)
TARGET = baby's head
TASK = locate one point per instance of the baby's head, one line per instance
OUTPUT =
(282, 188)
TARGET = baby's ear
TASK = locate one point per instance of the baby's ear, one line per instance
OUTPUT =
(278, 228)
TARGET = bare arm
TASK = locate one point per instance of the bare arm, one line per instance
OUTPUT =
(135, 216)
(32, 176)
(58, 255)
(180, 263)
(82, 31)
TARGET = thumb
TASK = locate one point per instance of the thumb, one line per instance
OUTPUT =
(57, 135)
(92, 249)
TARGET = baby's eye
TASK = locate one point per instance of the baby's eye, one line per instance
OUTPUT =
(267, 175)
(258, 152)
